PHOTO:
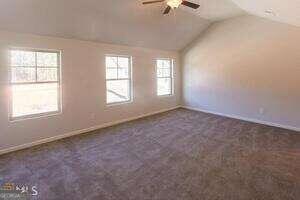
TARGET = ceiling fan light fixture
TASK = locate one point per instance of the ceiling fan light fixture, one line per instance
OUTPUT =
(174, 3)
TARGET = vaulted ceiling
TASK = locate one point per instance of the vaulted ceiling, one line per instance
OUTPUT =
(216, 10)
(128, 22)
(285, 11)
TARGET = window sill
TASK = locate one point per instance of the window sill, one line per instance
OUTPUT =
(118, 103)
(35, 116)
(165, 95)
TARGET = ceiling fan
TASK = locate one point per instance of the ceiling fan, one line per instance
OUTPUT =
(172, 4)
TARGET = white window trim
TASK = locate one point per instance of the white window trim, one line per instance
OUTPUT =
(130, 80)
(172, 77)
(59, 81)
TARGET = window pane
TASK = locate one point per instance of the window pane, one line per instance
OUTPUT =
(118, 91)
(111, 73)
(47, 74)
(159, 63)
(123, 73)
(164, 86)
(123, 62)
(22, 58)
(45, 59)
(34, 99)
(166, 64)
(123, 66)
(22, 74)
(163, 72)
(111, 62)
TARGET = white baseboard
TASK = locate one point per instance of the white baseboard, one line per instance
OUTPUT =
(246, 119)
(77, 132)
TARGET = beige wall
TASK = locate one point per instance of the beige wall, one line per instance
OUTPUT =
(245, 67)
(83, 88)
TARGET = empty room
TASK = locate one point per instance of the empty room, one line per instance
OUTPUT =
(150, 100)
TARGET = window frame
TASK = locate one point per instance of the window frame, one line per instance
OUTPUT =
(171, 76)
(116, 79)
(59, 81)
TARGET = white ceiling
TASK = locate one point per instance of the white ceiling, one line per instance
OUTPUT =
(286, 11)
(129, 22)
(125, 22)
(112, 21)
(216, 9)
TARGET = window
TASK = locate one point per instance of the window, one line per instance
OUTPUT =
(164, 73)
(118, 79)
(35, 83)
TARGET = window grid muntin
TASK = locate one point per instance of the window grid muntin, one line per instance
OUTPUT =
(169, 76)
(58, 81)
(129, 79)
(37, 67)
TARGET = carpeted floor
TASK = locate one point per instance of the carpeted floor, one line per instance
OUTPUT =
(180, 154)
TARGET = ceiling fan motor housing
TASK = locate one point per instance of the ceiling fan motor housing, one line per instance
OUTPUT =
(174, 3)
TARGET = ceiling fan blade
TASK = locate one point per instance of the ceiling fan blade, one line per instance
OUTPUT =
(190, 4)
(150, 2)
(167, 10)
